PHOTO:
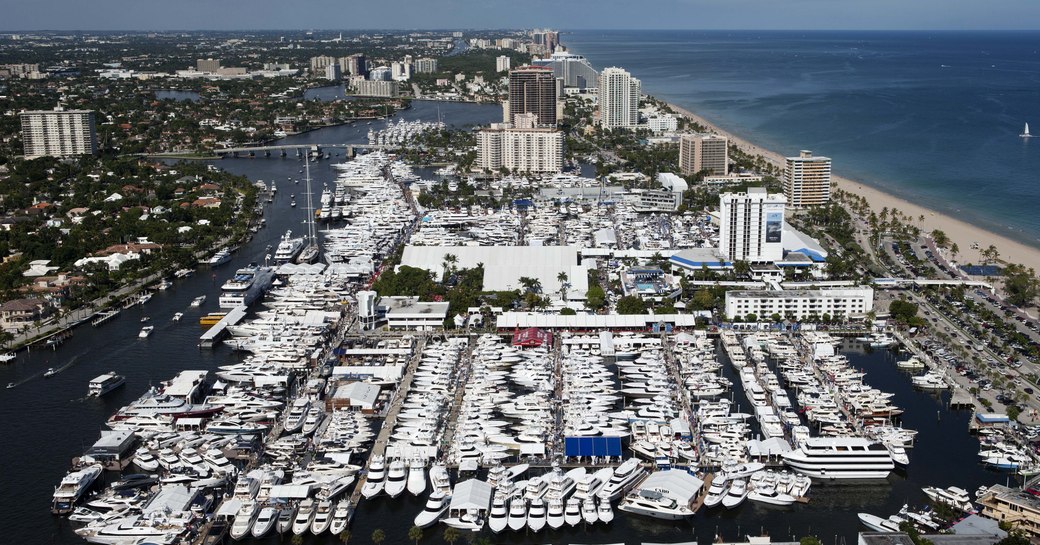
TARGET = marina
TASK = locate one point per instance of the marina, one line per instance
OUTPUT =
(403, 415)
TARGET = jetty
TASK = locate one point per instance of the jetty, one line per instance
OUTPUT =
(214, 334)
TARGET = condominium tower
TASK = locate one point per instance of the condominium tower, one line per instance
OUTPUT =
(58, 133)
(807, 180)
(532, 90)
(704, 152)
(751, 226)
(618, 99)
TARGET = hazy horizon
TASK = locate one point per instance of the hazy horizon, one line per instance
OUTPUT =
(259, 15)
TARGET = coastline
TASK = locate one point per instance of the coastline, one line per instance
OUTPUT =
(960, 232)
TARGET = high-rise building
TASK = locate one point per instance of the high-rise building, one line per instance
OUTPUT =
(618, 99)
(332, 72)
(707, 152)
(574, 70)
(210, 66)
(502, 63)
(520, 149)
(354, 65)
(751, 226)
(532, 90)
(58, 133)
(807, 180)
(381, 73)
(548, 39)
(319, 63)
(401, 70)
(376, 88)
(426, 66)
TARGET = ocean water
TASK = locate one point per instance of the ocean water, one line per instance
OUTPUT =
(933, 117)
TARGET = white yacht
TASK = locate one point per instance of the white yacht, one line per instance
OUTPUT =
(322, 517)
(436, 505)
(246, 286)
(555, 514)
(340, 517)
(572, 511)
(655, 503)
(72, 488)
(396, 479)
(736, 494)
(605, 512)
(498, 520)
(376, 478)
(517, 513)
(536, 515)
(622, 480)
(717, 491)
(304, 516)
(146, 331)
(416, 476)
(288, 248)
(841, 458)
(244, 520)
(222, 256)
(953, 496)
(104, 384)
(265, 522)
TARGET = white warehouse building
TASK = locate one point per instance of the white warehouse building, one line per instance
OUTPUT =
(801, 304)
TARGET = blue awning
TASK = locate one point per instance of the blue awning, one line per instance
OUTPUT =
(592, 446)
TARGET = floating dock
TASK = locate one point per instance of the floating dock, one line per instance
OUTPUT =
(214, 334)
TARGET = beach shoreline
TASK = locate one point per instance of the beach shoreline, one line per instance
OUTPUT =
(960, 232)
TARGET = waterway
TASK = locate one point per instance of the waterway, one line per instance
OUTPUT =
(46, 422)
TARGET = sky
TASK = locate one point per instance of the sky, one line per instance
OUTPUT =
(561, 14)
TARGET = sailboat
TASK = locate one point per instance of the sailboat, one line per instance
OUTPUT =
(1025, 132)
(311, 251)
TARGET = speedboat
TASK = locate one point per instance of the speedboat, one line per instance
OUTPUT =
(50, 372)
(877, 523)
(265, 522)
(146, 331)
(436, 505)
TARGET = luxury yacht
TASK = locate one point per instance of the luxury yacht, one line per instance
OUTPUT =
(436, 505)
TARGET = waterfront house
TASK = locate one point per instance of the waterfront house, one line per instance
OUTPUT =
(1013, 507)
(20, 313)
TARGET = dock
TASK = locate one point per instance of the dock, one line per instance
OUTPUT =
(103, 317)
(214, 334)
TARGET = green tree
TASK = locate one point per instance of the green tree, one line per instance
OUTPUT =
(741, 269)
(1021, 285)
(415, 534)
(810, 540)
(940, 238)
(751, 317)
(451, 535)
(296, 539)
(378, 536)
(631, 304)
(344, 537)
(568, 311)
(531, 285)
(562, 279)
(596, 298)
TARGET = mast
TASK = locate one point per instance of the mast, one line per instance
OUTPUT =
(311, 236)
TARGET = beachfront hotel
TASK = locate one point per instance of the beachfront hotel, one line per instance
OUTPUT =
(704, 152)
(751, 226)
(807, 180)
(618, 99)
(523, 147)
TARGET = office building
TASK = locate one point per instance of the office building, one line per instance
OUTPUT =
(801, 304)
(704, 152)
(58, 133)
(502, 63)
(532, 90)
(376, 88)
(210, 66)
(426, 66)
(751, 226)
(574, 70)
(618, 99)
(807, 180)
(520, 149)
(381, 73)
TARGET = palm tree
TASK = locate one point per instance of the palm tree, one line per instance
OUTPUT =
(451, 535)
(378, 536)
(344, 536)
(449, 264)
(415, 534)
(562, 278)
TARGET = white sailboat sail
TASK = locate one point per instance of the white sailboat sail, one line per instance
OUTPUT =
(1025, 132)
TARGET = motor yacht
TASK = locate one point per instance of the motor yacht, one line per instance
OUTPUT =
(265, 522)
(436, 505)
(375, 480)
(72, 488)
(736, 494)
(304, 516)
(340, 517)
(841, 458)
(322, 517)
(654, 503)
(536, 515)
(244, 520)
(396, 479)
(622, 480)
(498, 518)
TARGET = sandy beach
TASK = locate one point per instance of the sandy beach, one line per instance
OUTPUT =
(960, 232)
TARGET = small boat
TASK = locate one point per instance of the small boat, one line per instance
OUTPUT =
(50, 372)
(197, 302)
(145, 319)
(105, 384)
(146, 331)
(10, 385)
(7, 357)
(1025, 132)
(177, 316)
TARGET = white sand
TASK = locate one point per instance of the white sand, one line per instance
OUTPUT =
(960, 232)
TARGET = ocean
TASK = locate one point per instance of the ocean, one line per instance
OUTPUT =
(932, 117)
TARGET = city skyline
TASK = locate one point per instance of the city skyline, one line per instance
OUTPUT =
(578, 14)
